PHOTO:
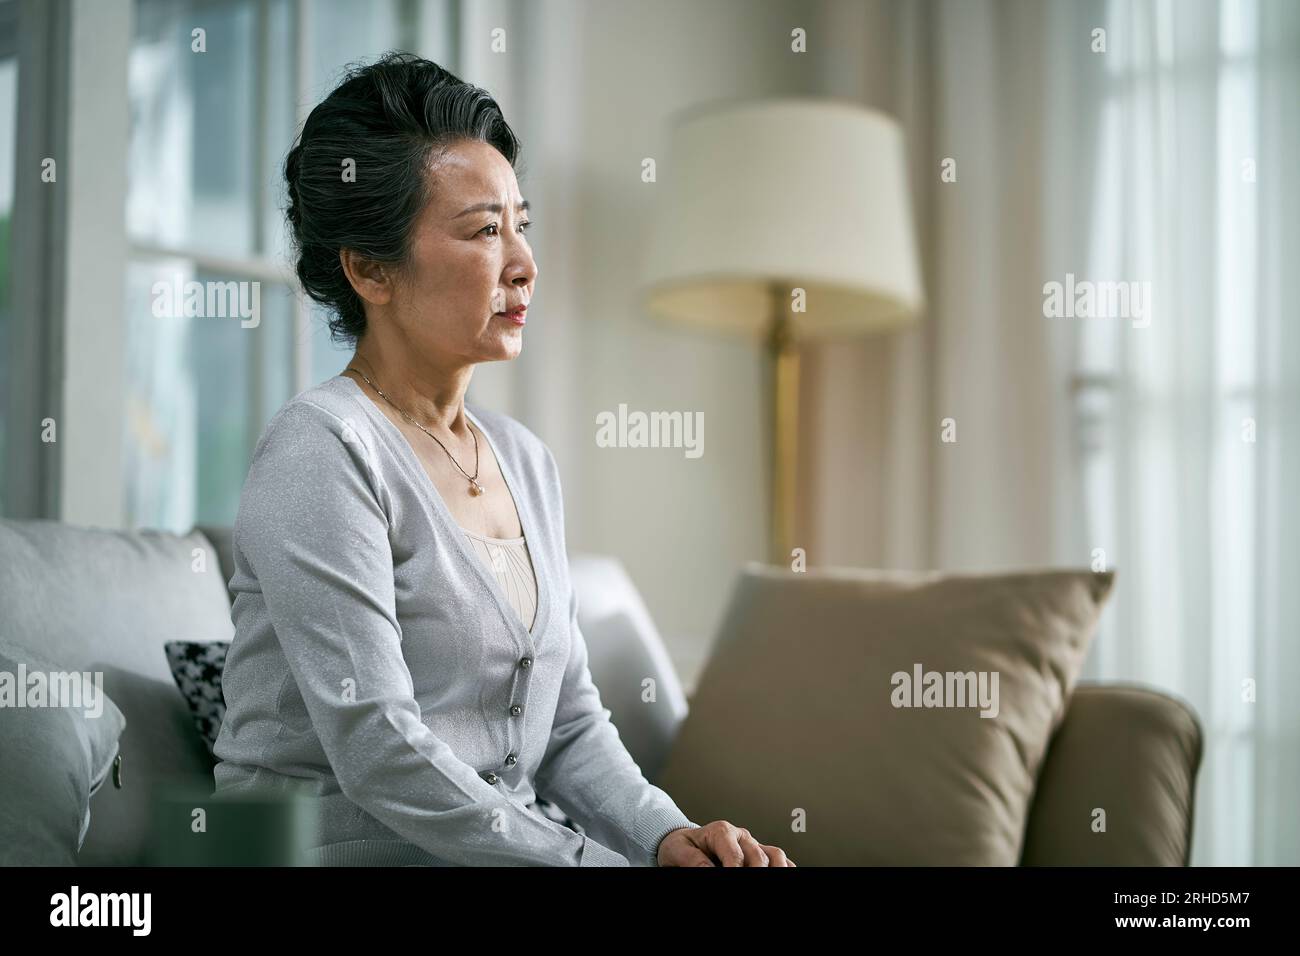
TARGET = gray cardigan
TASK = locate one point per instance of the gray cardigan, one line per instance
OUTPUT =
(378, 667)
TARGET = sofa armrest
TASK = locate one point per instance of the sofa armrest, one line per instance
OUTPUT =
(1132, 752)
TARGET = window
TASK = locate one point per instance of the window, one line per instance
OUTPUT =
(1182, 416)
(8, 137)
(209, 131)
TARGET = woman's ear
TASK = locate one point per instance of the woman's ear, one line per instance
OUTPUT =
(369, 279)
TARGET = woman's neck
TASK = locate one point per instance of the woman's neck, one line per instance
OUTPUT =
(433, 396)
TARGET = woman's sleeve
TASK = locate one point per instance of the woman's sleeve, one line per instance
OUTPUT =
(315, 530)
(588, 771)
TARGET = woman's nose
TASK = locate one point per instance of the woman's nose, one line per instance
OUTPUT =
(523, 265)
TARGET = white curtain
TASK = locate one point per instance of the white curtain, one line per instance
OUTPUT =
(1191, 476)
(1160, 152)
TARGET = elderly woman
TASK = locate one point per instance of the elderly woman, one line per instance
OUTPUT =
(407, 649)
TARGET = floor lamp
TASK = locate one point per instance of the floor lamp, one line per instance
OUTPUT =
(785, 221)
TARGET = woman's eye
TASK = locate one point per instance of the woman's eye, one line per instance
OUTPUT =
(522, 226)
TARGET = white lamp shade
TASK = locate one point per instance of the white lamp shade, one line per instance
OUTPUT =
(803, 193)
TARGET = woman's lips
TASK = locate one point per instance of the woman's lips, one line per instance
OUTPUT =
(518, 318)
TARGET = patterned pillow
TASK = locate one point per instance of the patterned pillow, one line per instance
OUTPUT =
(552, 812)
(197, 668)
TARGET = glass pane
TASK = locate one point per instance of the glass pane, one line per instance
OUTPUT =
(8, 128)
(327, 359)
(343, 31)
(191, 170)
(208, 363)
(281, 124)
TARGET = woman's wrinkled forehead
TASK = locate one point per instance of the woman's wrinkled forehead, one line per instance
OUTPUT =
(469, 174)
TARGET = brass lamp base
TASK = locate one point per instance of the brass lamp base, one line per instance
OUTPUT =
(783, 355)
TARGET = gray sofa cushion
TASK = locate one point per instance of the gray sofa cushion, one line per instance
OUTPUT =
(99, 600)
(54, 756)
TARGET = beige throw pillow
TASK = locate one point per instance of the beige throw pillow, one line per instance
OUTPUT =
(858, 717)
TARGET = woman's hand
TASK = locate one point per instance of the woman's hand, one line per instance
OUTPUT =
(718, 844)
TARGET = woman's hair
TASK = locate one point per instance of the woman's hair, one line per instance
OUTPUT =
(392, 118)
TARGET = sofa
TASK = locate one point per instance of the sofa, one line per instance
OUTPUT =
(100, 600)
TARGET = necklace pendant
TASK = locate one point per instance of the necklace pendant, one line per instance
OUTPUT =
(475, 488)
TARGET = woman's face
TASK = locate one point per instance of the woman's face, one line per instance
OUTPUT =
(470, 261)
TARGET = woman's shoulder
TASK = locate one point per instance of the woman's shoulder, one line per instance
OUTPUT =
(316, 456)
(328, 405)
(319, 430)
(336, 397)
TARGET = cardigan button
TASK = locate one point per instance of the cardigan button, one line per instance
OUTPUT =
(489, 776)
(525, 662)
(515, 710)
(511, 760)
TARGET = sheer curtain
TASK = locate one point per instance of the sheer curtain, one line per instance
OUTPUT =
(1191, 467)
(1159, 152)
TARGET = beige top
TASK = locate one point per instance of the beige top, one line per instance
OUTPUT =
(508, 558)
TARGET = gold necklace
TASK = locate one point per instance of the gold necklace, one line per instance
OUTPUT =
(474, 487)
